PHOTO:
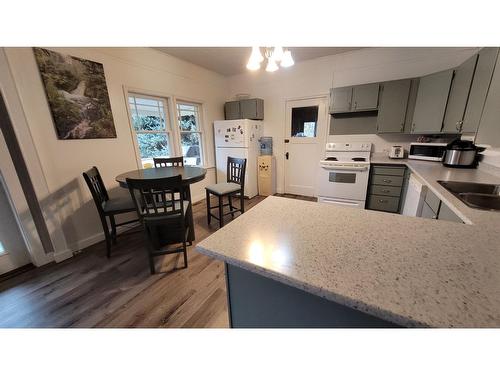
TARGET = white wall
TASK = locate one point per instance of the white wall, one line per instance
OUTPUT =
(63, 161)
(316, 77)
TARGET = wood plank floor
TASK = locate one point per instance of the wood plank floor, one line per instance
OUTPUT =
(89, 290)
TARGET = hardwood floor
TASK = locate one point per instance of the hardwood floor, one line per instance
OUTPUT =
(89, 290)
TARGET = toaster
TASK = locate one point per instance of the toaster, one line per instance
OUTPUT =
(397, 152)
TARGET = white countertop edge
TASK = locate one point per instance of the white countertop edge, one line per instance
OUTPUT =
(320, 292)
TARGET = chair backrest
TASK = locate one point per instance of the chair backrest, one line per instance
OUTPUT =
(98, 190)
(169, 162)
(236, 170)
(155, 199)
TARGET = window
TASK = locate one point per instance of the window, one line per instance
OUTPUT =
(188, 115)
(149, 119)
(304, 121)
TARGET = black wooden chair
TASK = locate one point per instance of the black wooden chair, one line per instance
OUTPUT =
(169, 162)
(165, 219)
(234, 187)
(107, 206)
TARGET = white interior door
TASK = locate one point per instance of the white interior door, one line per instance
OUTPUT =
(306, 121)
(13, 249)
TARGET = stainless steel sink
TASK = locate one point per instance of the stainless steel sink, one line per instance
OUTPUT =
(482, 196)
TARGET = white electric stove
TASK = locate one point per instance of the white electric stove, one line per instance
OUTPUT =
(343, 175)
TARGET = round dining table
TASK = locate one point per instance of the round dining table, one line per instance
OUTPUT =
(189, 174)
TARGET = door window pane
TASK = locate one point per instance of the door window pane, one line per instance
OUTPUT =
(190, 143)
(304, 121)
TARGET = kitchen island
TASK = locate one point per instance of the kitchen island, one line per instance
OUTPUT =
(292, 263)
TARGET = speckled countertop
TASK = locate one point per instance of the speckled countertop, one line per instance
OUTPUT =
(415, 272)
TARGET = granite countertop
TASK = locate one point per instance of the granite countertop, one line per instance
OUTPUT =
(415, 272)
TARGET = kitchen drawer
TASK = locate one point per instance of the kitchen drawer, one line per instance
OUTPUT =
(393, 191)
(388, 171)
(432, 200)
(383, 203)
(387, 180)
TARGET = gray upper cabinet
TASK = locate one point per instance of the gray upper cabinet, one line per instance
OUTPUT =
(232, 110)
(479, 89)
(489, 127)
(431, 102)
(252, 109)
(393, 106)
(340, 99)
(459, 94)
(365, 97)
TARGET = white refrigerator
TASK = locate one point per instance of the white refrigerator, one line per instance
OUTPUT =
(238, 139)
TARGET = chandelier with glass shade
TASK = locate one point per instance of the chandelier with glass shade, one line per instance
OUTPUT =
(273, 55)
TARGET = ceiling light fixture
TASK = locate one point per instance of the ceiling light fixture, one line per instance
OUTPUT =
(274, 55)
(271, 65)
(287, 59)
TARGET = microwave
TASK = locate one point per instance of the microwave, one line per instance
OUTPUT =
(427, 151)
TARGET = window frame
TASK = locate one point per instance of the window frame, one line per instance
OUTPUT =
(171, 101)
(171, 138)
(200, 124)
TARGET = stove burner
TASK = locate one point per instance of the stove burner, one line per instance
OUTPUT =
(358, 159)
(331, 158)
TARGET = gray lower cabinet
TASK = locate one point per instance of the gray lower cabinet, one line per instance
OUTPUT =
(479, 89)
(427, 212)
(255, 301)
(445, 213)
(431, 102)
(433, 208)
(459, 94)
(365, 97)
(340, 99)
(394, 97)
(385, 187)
(489, 127)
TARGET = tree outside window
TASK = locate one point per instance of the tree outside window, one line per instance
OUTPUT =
(190, 133)
(150, 123)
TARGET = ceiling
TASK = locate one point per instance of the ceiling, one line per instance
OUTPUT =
(232, 60)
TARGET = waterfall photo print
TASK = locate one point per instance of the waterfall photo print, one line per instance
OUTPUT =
(77, 95)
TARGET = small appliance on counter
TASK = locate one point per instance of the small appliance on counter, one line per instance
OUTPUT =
(397, 152)
(427, 151)
(462, 154)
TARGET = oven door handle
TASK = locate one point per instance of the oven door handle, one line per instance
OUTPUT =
(344, 168)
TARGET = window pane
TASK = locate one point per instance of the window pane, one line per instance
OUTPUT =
(153, 145)
(147, 114)
(304, 121)
(191, 149)
(188, 117)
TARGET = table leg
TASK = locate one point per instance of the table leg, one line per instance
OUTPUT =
(191, 235)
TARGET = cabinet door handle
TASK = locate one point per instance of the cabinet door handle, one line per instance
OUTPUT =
(287, 155)
(355, 105)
